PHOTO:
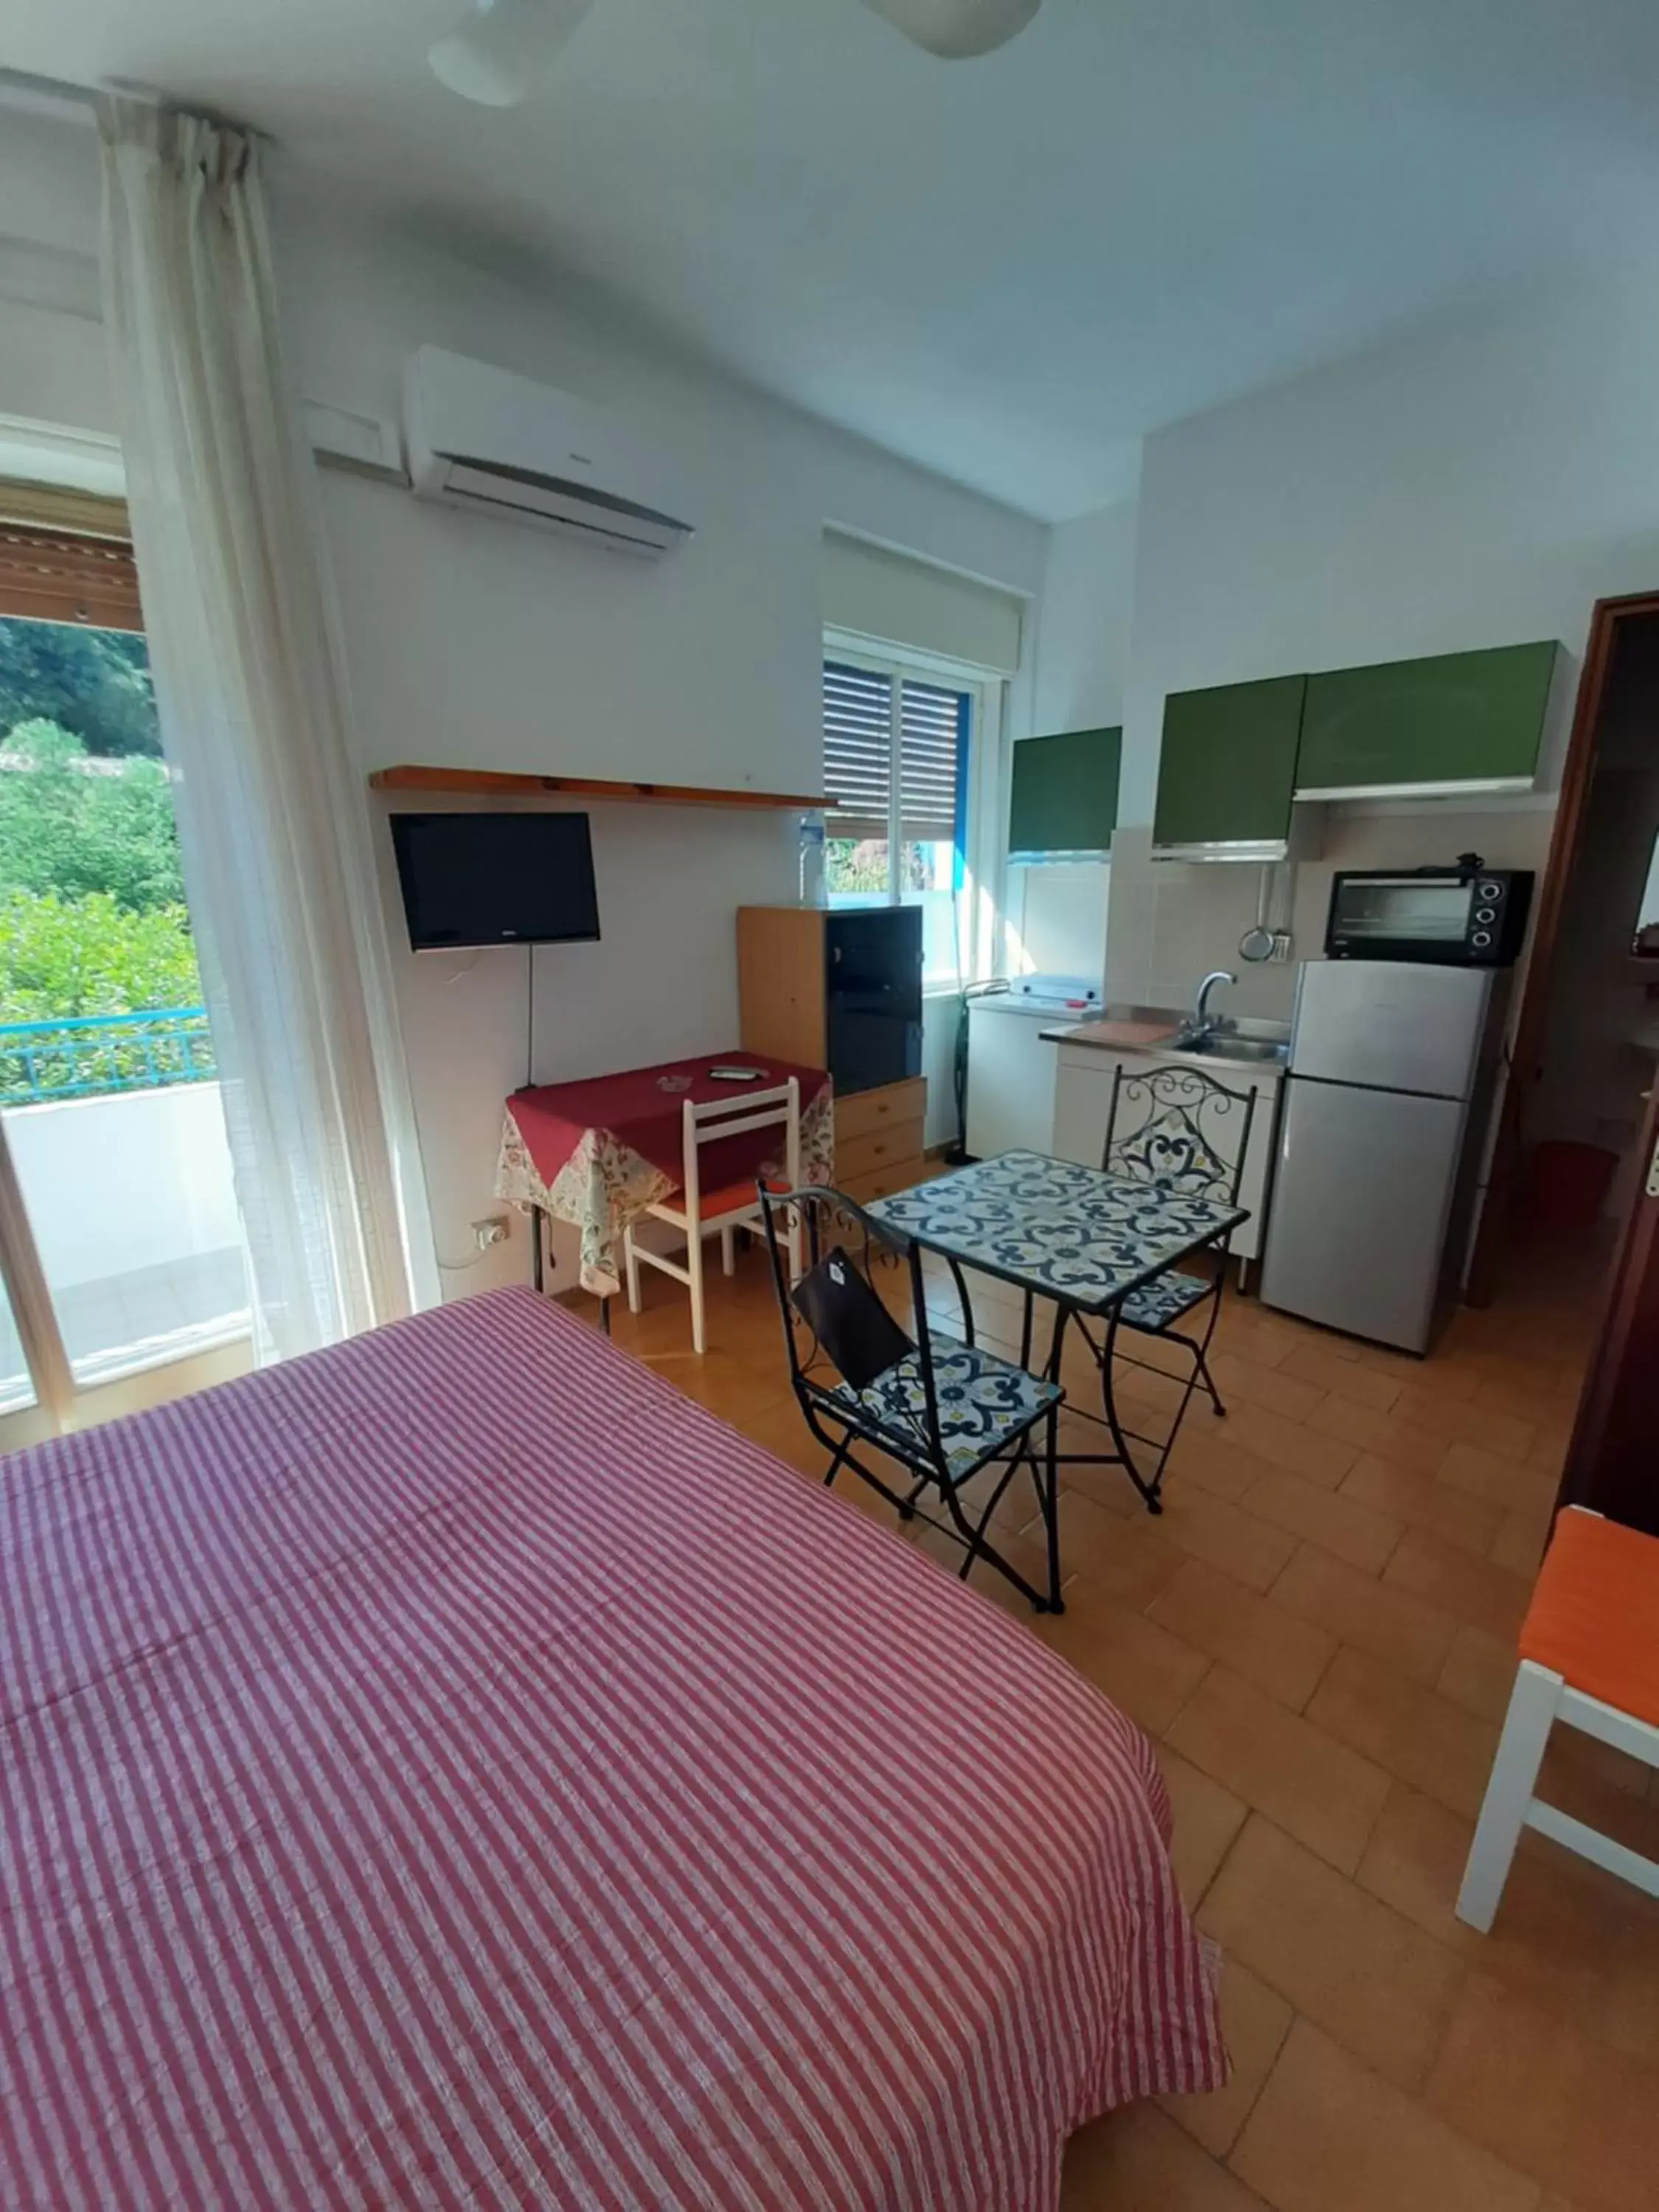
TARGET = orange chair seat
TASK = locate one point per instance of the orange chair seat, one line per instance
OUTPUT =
(711, 1204)
(734, 1199)
(1593, 1619)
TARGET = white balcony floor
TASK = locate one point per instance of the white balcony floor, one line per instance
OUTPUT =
(126, 1323)
(132, 1202)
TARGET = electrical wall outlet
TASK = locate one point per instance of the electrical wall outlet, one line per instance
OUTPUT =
(487, 1234)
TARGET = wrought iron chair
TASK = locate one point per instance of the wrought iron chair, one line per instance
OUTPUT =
(1180, 1130)
(945, 1410)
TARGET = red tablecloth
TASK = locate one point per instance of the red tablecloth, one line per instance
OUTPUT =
(598, 1153)
(453, 1772)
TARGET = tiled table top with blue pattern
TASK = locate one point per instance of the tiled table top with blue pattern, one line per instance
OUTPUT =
(1048, 1225)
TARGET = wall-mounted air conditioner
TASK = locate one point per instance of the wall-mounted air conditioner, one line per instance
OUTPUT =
(482, 438)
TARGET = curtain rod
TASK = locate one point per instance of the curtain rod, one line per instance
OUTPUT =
(27, 94)
(22, 92)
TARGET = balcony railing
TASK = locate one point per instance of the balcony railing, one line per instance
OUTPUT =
(94, 1055)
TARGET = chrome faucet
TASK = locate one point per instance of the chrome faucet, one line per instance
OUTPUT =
(1201, 1025)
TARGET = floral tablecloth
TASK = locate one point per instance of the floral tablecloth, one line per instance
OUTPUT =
(598, 1153)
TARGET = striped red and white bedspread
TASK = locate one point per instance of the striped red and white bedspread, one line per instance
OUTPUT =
(456, 1771)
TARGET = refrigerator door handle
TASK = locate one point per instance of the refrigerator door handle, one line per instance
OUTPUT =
(1375, 1089)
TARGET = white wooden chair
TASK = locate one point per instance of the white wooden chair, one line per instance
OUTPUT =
(695, 1213)
(1589, 1658)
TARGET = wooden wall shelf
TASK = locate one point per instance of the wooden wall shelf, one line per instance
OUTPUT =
(488, 783)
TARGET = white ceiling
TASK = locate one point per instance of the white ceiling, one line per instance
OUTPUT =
(1010, 269)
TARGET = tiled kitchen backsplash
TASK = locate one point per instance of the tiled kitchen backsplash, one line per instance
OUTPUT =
(1169, 923)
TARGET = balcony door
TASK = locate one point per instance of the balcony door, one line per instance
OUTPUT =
(120, 1249)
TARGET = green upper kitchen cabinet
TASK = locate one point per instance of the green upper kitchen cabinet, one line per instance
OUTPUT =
(1227, 770)
(1462, 721)
(1064, 799)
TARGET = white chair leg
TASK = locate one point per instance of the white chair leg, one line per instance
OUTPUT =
(1532, 1704)
(796, 1266)
(728, 1250)
(631, 1266)
(694, 1268)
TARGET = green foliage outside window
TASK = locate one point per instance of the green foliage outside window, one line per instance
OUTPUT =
(93, 683)
(60, 958)
(93, 918)
(859, 865)
(73, 824)
(856, 864)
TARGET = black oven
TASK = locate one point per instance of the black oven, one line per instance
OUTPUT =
(1469, 916)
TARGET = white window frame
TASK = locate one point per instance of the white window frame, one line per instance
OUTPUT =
(978, 900)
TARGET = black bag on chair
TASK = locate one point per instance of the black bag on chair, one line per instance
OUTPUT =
(853, 1329)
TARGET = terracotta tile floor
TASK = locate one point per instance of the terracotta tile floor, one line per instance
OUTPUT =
(1319, 1634)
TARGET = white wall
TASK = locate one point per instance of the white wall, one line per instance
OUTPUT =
(53, 364)
(480, 643)
(1086, 624)
(475, 644)
(1476, 487)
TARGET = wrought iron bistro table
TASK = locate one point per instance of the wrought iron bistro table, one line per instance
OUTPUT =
(1073, 1234)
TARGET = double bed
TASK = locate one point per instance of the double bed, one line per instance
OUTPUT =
(454, 1770)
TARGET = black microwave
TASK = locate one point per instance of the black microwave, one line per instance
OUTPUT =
(1469, 916)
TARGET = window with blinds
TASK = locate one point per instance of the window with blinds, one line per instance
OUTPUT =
(859, 733)
(895, 765)
(932, 760)
(858, 750)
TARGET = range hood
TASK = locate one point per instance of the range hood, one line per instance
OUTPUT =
(1304, 840)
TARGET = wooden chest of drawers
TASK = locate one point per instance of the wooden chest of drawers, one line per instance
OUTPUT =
(878, 1140)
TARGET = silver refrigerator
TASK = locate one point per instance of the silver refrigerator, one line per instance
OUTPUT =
(1387, 1104)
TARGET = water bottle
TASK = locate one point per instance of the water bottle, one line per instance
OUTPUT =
(812, 860)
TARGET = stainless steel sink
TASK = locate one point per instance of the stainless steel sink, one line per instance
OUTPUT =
(1246, 1037)
(1270, 1049)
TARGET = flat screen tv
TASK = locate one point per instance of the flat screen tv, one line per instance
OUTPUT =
(496, 879)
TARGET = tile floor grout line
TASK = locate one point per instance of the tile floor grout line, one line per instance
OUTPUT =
(1383, 1568)
(1296, 2013)
(1338, 1647)
(1226, 2162)
(1394, 1782)
(1250, 1813)
(1174, 1721)
(1302, 1545)
(1466, 1969)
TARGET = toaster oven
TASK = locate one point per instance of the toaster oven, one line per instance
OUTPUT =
(1469, 916)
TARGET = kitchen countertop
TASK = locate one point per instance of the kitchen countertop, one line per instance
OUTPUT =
(1142, 1029)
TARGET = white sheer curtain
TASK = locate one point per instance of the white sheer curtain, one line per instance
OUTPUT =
(272, 814)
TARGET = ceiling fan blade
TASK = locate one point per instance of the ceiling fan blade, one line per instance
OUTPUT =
(957, 29)
(504, 49)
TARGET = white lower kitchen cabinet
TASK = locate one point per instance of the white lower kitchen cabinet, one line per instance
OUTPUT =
(1083, 1106)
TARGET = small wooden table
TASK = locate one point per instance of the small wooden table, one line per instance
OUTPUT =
(597, 1153)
